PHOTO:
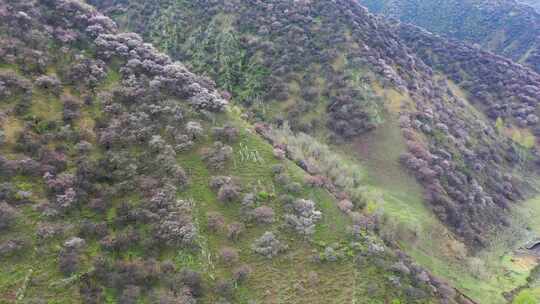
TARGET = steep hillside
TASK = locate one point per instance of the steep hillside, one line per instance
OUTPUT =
(505, 27)
(125, 178)
(324, 68)
(376, 111)
(506, 92)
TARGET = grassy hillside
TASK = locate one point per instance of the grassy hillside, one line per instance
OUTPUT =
(328, 77)
(309, 70)
(125, 178)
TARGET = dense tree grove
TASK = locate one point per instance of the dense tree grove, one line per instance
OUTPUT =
(504, 88)
(252, 80)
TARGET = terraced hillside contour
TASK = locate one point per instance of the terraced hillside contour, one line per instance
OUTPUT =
(125, 178)
(508, 28)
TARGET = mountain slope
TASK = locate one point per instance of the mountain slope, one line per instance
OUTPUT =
(321, 64)
(388, 111)
(125, 178)
(176, 181)
(499, 87)
(506, 27)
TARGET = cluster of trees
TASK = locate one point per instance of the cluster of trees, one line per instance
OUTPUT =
(463, 162)
(469, 179)
(139, 126)
(506, 89)
(135, 277)
(249, 68)
(117, 134)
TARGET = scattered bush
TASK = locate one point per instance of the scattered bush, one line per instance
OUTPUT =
(194, 130)
(60, 183)
(234, 230)
(224, 288)
(315, 181)
(228, 193)
(68, 261)
(130, 295)
(98, 205)
(282, 179)
(228, 255)
(345, 206)
(90, 291)
(7, 216)
(329, 255)
(225, 134)
(277, 169)
(10, 247)
(136, 272)
(183, 296)
(50, 83)
(263, 215)
(268, 245)
(183, 143)
(293, 188)
(217, 156)
(216, 221)
(47, 231)
(83, 147)
(121, 241)
(217, 182)
(227, 189)
(75, 243)
(304, 217)
(23, 105)
(279, 153)
(72, 108)
(90, 229)
(27, 143)
(64, 202)
(248, 201)
(86, 71)
(193, 281)
(176, 230)
(241, 273)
